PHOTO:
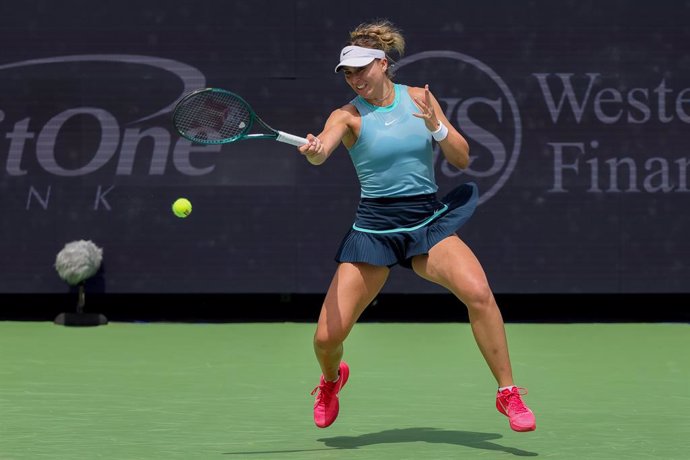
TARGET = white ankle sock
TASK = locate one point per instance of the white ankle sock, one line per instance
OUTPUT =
(509, 387)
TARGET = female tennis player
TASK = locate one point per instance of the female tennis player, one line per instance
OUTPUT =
(388, 130)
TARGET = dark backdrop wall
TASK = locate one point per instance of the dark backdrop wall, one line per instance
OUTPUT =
(577, 113)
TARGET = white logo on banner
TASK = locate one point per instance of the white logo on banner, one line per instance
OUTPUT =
(571, 101)
(113, 140)
(503, 153)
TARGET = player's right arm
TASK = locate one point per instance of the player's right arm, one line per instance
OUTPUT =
(338, 128)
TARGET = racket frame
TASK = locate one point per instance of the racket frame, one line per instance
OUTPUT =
(274, 134)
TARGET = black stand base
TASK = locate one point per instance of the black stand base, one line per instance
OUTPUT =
(81, 319)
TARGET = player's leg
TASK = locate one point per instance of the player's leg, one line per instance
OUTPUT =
(453, 265)
(353, 287)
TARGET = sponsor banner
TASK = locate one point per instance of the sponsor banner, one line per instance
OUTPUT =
(578, 119)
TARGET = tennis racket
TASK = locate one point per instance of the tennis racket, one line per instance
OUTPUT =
(217, 116)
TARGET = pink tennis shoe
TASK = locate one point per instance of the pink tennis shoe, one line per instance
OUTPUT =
(326, 404)
(510, 404)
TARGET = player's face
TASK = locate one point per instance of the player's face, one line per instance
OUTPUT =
(367, 81)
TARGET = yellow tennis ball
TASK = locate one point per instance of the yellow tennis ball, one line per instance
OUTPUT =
(182, 207)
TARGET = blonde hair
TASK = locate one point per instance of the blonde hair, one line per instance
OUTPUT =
(381, 35)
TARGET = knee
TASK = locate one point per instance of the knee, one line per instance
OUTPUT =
(327, 340)
(479, 298)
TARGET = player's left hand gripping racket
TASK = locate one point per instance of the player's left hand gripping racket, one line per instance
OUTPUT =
(217, 116)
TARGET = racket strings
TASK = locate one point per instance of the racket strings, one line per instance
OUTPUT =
(212, 116)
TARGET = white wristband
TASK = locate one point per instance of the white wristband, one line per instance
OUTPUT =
(440, 133)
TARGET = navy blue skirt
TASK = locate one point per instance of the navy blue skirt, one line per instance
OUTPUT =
(390, 231)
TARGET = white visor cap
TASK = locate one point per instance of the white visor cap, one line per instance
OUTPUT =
(358, 56)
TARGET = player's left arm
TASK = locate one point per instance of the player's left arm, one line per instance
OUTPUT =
(455, 148)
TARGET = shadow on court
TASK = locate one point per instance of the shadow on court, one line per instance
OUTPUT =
(430, 435)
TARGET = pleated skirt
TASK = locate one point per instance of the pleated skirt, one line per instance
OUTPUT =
(390, 231)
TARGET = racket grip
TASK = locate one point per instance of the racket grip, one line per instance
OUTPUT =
(291, 139)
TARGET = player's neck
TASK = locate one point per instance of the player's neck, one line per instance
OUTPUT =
(388, 95)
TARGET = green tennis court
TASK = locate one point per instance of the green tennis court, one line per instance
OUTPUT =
(417, 391)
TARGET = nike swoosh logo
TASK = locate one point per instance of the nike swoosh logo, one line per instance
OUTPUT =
(388, 123)
(348, 51)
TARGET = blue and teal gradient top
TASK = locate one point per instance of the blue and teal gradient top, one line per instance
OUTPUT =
(393, 155)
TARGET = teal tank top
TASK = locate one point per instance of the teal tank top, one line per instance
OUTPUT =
(393, 155)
